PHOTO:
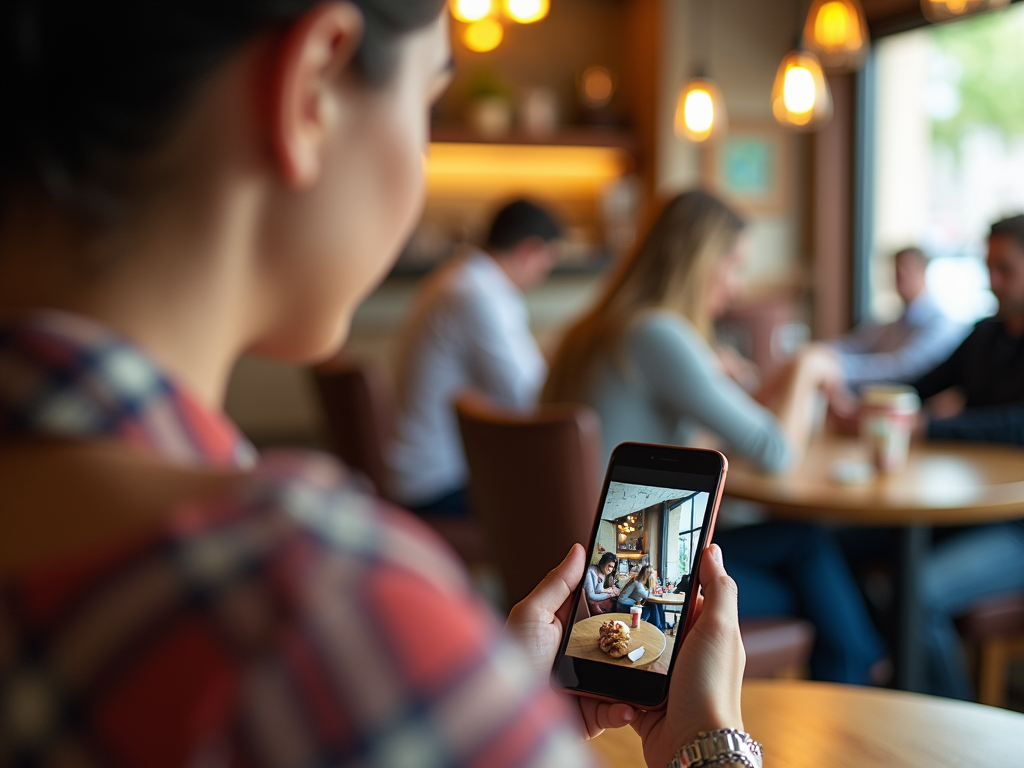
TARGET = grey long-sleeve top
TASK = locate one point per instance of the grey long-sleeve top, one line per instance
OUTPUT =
(594, 585)
(669, 384)
(635, 590)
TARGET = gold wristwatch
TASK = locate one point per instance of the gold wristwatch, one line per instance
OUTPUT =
(724, 747)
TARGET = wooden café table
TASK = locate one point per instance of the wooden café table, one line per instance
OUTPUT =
(802, 724)
(956, 483)
(583, 641)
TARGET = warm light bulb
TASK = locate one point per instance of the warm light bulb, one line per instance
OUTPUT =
(700, 111)
(943, 10)
(798, 92)
(837, 31)
(483, 36)
(470, 10)
(527, 11)
(834, 25)
(800, 96)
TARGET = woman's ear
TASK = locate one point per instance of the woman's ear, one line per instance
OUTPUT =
(303, 105)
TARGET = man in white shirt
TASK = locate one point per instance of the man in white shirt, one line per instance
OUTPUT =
(468, 329)
(903, 350)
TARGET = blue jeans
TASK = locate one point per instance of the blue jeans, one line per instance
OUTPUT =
(797, 569)
(655, 614)
(959, 570)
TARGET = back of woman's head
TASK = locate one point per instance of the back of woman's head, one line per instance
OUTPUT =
(669, 270)
(644, 574)
(91, 87)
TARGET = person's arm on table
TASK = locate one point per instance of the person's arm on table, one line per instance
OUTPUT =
(925, 348)
(704, 694)
(679, 369)
(995, 424)
(860, 340)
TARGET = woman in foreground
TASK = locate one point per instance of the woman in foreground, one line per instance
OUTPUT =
(643, 358)
(182, 182)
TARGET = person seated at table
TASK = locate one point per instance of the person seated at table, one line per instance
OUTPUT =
(181, 182)
(643, 358)
(905, 349)
(636, 591)
(599, 585)
(468, 329)
(967, 564)
(987, 369)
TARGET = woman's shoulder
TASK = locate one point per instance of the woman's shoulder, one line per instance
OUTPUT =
(665, 326)
(321, 499)
(659, 336)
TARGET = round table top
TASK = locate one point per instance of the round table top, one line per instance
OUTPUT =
(583, 641)
(803, 724)
(952, 483)
(669, 598)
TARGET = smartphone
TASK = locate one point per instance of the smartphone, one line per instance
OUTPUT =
(657, 512)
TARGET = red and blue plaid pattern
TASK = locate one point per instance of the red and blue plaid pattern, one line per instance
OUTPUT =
(297, 621)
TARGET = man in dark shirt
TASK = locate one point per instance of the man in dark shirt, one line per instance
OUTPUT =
(987, 369)
(987, 374)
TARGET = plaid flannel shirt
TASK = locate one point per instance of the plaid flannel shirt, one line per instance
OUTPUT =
(297, 621)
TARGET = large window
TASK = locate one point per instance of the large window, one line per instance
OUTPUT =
(949, 153)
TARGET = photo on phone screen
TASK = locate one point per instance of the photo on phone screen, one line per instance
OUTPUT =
(652, 526)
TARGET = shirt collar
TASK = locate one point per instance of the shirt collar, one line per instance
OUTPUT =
(63, 375)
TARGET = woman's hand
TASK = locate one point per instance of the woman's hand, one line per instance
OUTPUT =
(704, 693)
(537, 623)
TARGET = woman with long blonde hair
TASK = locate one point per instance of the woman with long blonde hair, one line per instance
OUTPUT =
(651, 330)
(643, 357)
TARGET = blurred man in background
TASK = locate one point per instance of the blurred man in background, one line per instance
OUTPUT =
(468, 329)
(903, 350)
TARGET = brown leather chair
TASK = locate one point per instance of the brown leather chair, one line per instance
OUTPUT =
(533, 484)
(995, 627)
(776, 647)
(359, 407)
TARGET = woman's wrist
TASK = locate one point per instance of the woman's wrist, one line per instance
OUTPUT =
(719, 747)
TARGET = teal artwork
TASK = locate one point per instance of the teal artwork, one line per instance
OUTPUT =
(748, 166)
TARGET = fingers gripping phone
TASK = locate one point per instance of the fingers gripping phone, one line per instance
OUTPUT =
(655, 517)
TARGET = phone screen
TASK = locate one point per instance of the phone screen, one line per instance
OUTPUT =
(654, 519)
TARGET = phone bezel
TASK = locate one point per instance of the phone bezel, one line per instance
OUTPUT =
(639, 687)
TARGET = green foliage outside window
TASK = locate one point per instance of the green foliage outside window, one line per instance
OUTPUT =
(989, 52)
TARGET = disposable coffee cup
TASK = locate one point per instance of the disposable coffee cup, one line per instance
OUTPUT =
(887, 415)
(634, 616)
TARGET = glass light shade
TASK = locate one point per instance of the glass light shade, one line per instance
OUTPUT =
(700, 110)
(483, 36)
(527, 11)
(837, 31)
(801, 98)
(470, 10)
(944, 10)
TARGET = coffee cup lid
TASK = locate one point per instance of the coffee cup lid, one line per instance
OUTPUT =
(895, 396)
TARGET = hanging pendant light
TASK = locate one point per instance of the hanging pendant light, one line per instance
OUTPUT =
(837, 32)
(944, 10)
(801, 98)
(700, 110)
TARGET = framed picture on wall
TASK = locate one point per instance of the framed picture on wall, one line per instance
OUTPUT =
(750, 167)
